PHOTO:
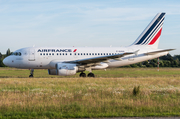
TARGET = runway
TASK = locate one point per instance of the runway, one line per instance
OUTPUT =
(136, 118)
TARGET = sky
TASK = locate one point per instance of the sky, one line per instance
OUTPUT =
(80, 23)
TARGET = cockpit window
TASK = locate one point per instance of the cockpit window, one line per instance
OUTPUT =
(16, 53)
(19, 53)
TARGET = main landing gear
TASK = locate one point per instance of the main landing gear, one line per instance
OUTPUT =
(84, 75)
(31, 73)
(91, 74)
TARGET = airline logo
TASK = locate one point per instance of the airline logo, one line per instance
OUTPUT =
(152, 32)
(75, 50)
(56, 50)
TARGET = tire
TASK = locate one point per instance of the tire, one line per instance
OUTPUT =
(91, 75)
(82, 75)
(31, 76)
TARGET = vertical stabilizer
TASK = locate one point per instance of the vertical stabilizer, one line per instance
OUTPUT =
(150, 36)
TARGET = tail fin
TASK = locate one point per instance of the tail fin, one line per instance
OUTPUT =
(150, 36)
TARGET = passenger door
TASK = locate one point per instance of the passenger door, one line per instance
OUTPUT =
(32, 55)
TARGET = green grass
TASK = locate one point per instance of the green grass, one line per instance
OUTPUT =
(113, 72)
(109, 95)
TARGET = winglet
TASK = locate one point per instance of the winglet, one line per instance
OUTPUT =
(136, 52)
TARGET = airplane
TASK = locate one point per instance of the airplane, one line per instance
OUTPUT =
(65, 61)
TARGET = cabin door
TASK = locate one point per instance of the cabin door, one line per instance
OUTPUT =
(31, 55)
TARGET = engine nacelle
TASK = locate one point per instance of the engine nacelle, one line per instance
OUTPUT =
(66, 69)
(52, 71)
(100, 66)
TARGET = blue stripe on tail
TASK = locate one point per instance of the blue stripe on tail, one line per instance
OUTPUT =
(150, 29)
(153, 32)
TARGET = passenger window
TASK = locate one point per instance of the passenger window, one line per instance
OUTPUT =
(66, 53)
(106, 53)
(84, 54)
(95, 53)
(52, 53)
(57, 53)
(81, 54)
(74, 53)
(49, 53)
(112, 53)
(70, 54)
(109, 53)
(89, 53)
(40, 53)
(63, 53)
(101, 54)
(78, 53)
(46, 53)
(98, 54)
(92, 53)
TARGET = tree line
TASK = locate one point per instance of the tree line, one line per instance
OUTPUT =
(164, 61)
(2, 56)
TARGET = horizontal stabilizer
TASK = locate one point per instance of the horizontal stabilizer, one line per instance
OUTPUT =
(159, 51)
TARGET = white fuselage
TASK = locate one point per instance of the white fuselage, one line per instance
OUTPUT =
(43, 57)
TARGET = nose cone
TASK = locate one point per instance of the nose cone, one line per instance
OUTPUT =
(6, 61)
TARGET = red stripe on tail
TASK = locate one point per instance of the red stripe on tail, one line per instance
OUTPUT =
(155, 38)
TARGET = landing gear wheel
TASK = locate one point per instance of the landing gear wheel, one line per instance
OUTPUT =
(31, 73)
(82, 75)
(30, 76)
(91, 75)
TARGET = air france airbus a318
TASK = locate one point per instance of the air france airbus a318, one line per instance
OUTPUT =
(65, 61)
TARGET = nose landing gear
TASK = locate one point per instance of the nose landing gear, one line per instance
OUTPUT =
(31, 73)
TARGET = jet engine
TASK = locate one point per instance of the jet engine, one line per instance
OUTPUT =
(52, 71)
(64, 69)
(100, 66)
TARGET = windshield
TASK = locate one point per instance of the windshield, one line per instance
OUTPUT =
(16, 53)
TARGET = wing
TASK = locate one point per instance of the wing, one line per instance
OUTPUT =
(100, 59)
